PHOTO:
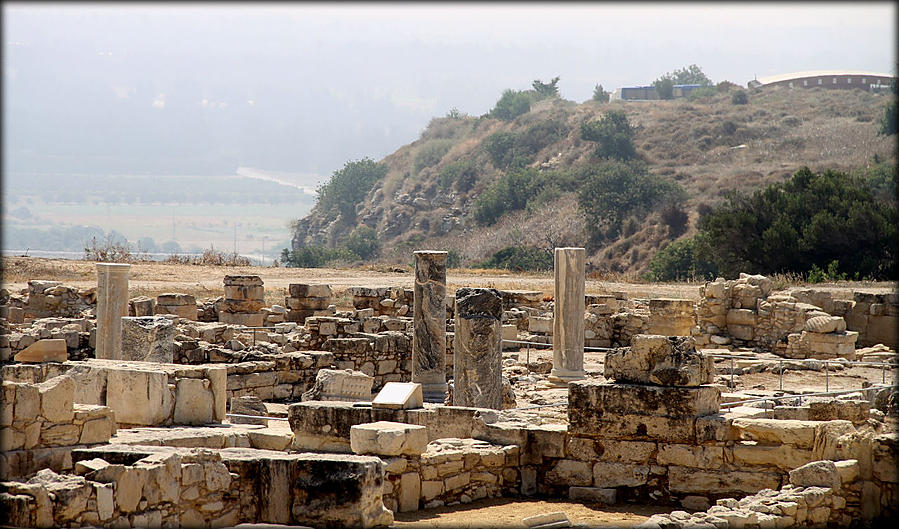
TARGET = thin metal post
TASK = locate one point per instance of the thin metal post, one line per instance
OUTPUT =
(529, 358)
(781, 375)
(732, 372)
(826, 376)
(883, 373)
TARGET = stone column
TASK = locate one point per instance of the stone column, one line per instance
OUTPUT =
(568, 315)
(112, 304)
(477, 361)
(429, 322)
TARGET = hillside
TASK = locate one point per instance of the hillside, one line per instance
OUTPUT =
(708, 147)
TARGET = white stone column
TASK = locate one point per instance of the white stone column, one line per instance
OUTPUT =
(429, 324)
(112, 304)
(568, 315)
(477, 349)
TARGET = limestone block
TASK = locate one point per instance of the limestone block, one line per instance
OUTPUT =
(741, 317)
(244, 292)
(741, 332)
(46, 350)
(705, 457)
(255, 319)
(816, 474)
(848, 470)
(670, 317)
(635, 427)
(624, 451)
(593, 495)
(570, 472)
(825, 324)
(388, 438)
(695, 481)
(138, 397)
(773, 431)
(592, 398)
(248, 405)
(853, 410)
(57, 399)
(399, 396)
(301, 290)
(785, 457)
(340, 385)
(194, 402)
(410, 492)
(547, 521)
(654, 359)
(142, 306)
(609, 475)
(148, 339)
(540, 324)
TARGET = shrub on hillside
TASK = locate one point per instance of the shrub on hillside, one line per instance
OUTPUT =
(614, 134)
(520, 258)
(612, 191)
(511, 192)
(811, 218)
(461, 173)
(739, 98)
(363, 241)
(600, 95)
(430, 153)
(512, 104)
(680, 260)
(347, 187)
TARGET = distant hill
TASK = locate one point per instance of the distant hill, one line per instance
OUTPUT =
(708, 146)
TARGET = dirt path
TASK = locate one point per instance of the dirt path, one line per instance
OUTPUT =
(508, 513)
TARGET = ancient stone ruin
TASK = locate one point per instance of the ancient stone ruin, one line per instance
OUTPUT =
(123, 411)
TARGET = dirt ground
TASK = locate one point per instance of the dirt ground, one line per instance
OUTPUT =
(508, 512)
(153, 278)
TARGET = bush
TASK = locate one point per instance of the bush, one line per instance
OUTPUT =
(664, 88)
(811, 218)
(674, 216)
(702, 92)
(599, 94)
(888, 120)
(511, 192)
(612, 191)
(462, 173)
(347, 187)
(512, 104)
(817, 275)
(109, 251)
(363, 241)
(546, 90)
(429, 154)
(739, 98)
(499, 147)
(680, 260)
(520, 258)
(614, 134)
(315, 256)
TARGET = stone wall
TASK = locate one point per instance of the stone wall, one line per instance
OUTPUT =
(875, 317)
(78, 334)
(119, 486)
(44, 299)
(139, 393)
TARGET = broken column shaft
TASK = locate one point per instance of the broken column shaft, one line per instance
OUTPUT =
(112, 304)
(429, 322)
(477, 349)
(568, 315)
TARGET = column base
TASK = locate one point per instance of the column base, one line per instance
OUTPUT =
(561, 377)
(434, 393)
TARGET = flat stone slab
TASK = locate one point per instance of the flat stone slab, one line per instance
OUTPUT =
(661, 360)
(595, 398)
(388, 438)
(46, 350)
(399, 396)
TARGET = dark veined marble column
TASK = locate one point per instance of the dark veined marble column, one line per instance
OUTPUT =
(477, 348)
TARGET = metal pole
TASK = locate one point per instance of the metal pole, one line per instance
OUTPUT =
(883, 373)
(826, 376)
(732, 373)
(529, 358)
(781, 375)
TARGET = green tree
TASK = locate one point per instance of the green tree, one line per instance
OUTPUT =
(888, 120)
(614, 134)
(347, 187)
(512, 104)
(812, 219)
(664, 87)
(599, 94)
(520, 258)
(692, 74)
(739, 98)
(511, 192)
(363, 241)
(545, 90)
(612, 191)
(681, 259)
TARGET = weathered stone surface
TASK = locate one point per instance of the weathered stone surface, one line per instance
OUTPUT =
(667, 361)
(388, 438)
(194, 401)
(138, 397)
(320, 423)
(691, 480)
(46, 350)
(591, 398)
(429, 325)
(593, 495)
(705, 457)
(248, 319)
(773, 431)
(816, 474)
(785, 457)
(570, 472)
(825, 324)
(670, 317)
(181, 305)
(609, 475)
(853, 410)
(302, 290)
(568, 314)
(340, 385)
(142, 306)
(148, 339)
(636, 427)
(57, 399)
(112, 304)
(248, 405)
(477, 363)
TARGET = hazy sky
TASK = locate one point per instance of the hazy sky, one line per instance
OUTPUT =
(303, 87)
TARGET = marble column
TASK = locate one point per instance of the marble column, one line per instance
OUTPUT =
(112, 304)
(429, 324)
(477, 349)
(568, 315)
